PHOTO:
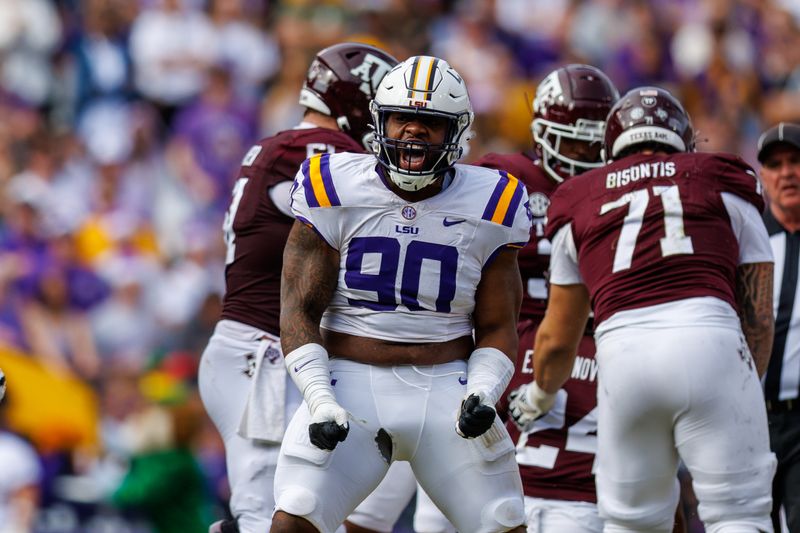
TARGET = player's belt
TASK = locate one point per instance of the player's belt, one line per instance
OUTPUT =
(782, 406)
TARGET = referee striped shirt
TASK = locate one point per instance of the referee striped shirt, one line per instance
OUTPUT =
(782, 381)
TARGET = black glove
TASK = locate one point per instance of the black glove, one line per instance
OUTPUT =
(328, 426)
(327, 435)
(475, 418)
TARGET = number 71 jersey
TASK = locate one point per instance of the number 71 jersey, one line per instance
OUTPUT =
(650, 229)
(408, 271)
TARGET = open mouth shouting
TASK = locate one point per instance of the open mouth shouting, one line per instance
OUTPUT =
(412, 156)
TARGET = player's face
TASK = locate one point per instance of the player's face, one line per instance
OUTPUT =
(780, 175)
(411, 127)
(580, 150)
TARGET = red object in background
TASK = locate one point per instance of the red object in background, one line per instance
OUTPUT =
(179, 365)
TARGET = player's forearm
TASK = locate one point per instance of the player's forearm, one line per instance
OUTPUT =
(503, 338)
(497, 304)
(297, 329)
(754, 295)
(301, 314)
(552, 362)
(558, 336)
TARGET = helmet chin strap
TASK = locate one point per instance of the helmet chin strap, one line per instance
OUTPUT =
(411, 183)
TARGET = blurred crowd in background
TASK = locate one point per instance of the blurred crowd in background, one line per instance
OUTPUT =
(123, 126)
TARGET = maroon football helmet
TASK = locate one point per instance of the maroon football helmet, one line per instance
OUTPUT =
(571, 102)
(340, 83)
(647, 115)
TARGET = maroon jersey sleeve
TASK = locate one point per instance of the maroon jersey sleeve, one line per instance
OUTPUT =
(559, 213)
(534, 258)
(256, 230)
(556, 458)
(519, 165)
(651, 229)
(732, 174)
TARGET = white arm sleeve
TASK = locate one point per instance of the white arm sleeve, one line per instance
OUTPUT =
(749, 229)
(280, 195)
(564, 258)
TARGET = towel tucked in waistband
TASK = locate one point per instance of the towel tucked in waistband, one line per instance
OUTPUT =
(264, 416)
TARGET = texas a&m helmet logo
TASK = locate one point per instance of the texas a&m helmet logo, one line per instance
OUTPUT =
(371, 71)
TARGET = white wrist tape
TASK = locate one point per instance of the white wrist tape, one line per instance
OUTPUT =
(488, 373)
(538, 397)
(308, 366)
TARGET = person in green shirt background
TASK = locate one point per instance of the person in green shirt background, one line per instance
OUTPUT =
(164, 482)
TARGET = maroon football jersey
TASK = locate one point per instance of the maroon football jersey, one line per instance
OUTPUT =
(534, 258)
(256, 231)
(557, 457)
(651, 229)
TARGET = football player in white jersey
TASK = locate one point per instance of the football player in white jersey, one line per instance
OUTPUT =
(394, 259)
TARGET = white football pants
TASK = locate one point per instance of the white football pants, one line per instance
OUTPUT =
(224, 380)
(690, 393)
(475, 482)
(382, 508)
(559, 516)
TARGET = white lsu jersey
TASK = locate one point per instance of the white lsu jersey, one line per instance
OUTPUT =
(383, 291)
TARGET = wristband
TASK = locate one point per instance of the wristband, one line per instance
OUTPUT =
(489, 372)
(308, 366)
